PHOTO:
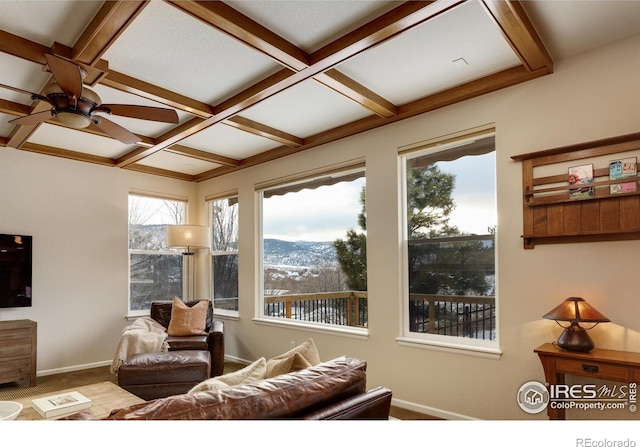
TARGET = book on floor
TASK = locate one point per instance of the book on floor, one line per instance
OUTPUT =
(60, 404)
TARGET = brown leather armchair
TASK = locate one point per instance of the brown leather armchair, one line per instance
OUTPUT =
(212, 341)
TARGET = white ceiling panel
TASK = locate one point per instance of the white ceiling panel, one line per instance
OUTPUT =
(230, 142)
(572, 27)
(311, 24)
(49, 21)
(306, 109)
(171, 49)
(175, 162)
(419, 62)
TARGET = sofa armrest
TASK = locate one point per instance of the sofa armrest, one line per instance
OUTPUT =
(374, 404)
(216, 348)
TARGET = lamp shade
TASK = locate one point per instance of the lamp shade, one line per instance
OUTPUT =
(576, 309)
(188, 236)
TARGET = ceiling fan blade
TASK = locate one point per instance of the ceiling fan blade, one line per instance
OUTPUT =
(115, 130)
(141, 112)
(19, 90)
(33, 119)
(67, 74)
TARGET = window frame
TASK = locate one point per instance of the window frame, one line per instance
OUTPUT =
(210, 201)
(165, 252)
(282, 184)
(448, 343)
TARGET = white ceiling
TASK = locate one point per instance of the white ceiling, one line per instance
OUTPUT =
(268, 77)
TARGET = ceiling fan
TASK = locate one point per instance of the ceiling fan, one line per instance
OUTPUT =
(77, 106)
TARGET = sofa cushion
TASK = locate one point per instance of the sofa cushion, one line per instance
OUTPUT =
(255, 371)
(300, 357)
(290, 395)
(161, 312)
(187, 320)
(188, 342)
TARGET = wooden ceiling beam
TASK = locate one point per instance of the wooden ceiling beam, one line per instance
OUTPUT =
(356, 92)
(152, 92)
(246, 30)
(515, 26)
(203, 155)
(103, 30)
(262, 130)
(161, 172)
(14, 108)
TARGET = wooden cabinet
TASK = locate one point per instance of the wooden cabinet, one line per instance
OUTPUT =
(18, 343)
(552, 216)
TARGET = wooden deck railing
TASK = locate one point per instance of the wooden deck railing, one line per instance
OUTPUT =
(346, 308)
(462, 316)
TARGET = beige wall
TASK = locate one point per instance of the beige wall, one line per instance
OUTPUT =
(77, 213)
(589, 97)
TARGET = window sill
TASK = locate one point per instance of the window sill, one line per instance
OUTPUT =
(486, 352)
(326, 329)
(226, 315)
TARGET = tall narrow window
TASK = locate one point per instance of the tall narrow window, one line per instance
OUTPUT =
(155, 272)
(224, 253)
(450, 228)
(314, 251)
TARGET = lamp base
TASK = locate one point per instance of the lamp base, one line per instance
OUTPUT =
(575, 338)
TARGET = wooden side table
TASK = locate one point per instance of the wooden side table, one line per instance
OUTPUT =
(619, 366)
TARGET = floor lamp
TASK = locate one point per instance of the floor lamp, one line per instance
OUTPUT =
(189, 238)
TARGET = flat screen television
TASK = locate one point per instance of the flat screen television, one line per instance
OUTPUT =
(15, 270)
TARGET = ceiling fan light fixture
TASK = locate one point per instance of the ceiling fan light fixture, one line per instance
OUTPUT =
(73, 119)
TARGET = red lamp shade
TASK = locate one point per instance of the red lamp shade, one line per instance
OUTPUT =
(576, 310)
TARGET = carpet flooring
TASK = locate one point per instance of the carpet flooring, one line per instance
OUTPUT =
(56, 382)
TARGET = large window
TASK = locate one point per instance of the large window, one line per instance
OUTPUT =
(314, 251)
(224, 254)
(450, 228)
(155, 272)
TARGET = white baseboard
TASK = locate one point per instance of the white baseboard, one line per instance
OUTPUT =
(49, 372)
(443, 414)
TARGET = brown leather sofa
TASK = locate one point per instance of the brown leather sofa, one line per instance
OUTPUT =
(190, 360)
(331, 390)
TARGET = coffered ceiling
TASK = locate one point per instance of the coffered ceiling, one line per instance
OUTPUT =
(252, 81)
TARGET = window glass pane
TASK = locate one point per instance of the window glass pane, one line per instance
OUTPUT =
(155, 272)
(154, 278)
(451, 225)
(314, 251)
(224, 253)
(225, 288)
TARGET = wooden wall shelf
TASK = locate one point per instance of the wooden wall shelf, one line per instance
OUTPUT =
(551, 216)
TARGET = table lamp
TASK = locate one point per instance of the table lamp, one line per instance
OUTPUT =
(575, 310)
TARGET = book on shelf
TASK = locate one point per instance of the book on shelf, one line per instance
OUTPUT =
(60, 404)
(620, 170)
(581, 175)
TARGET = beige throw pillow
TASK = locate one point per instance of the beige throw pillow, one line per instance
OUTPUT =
(255, 371)
(300, 357)
(187, 320)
